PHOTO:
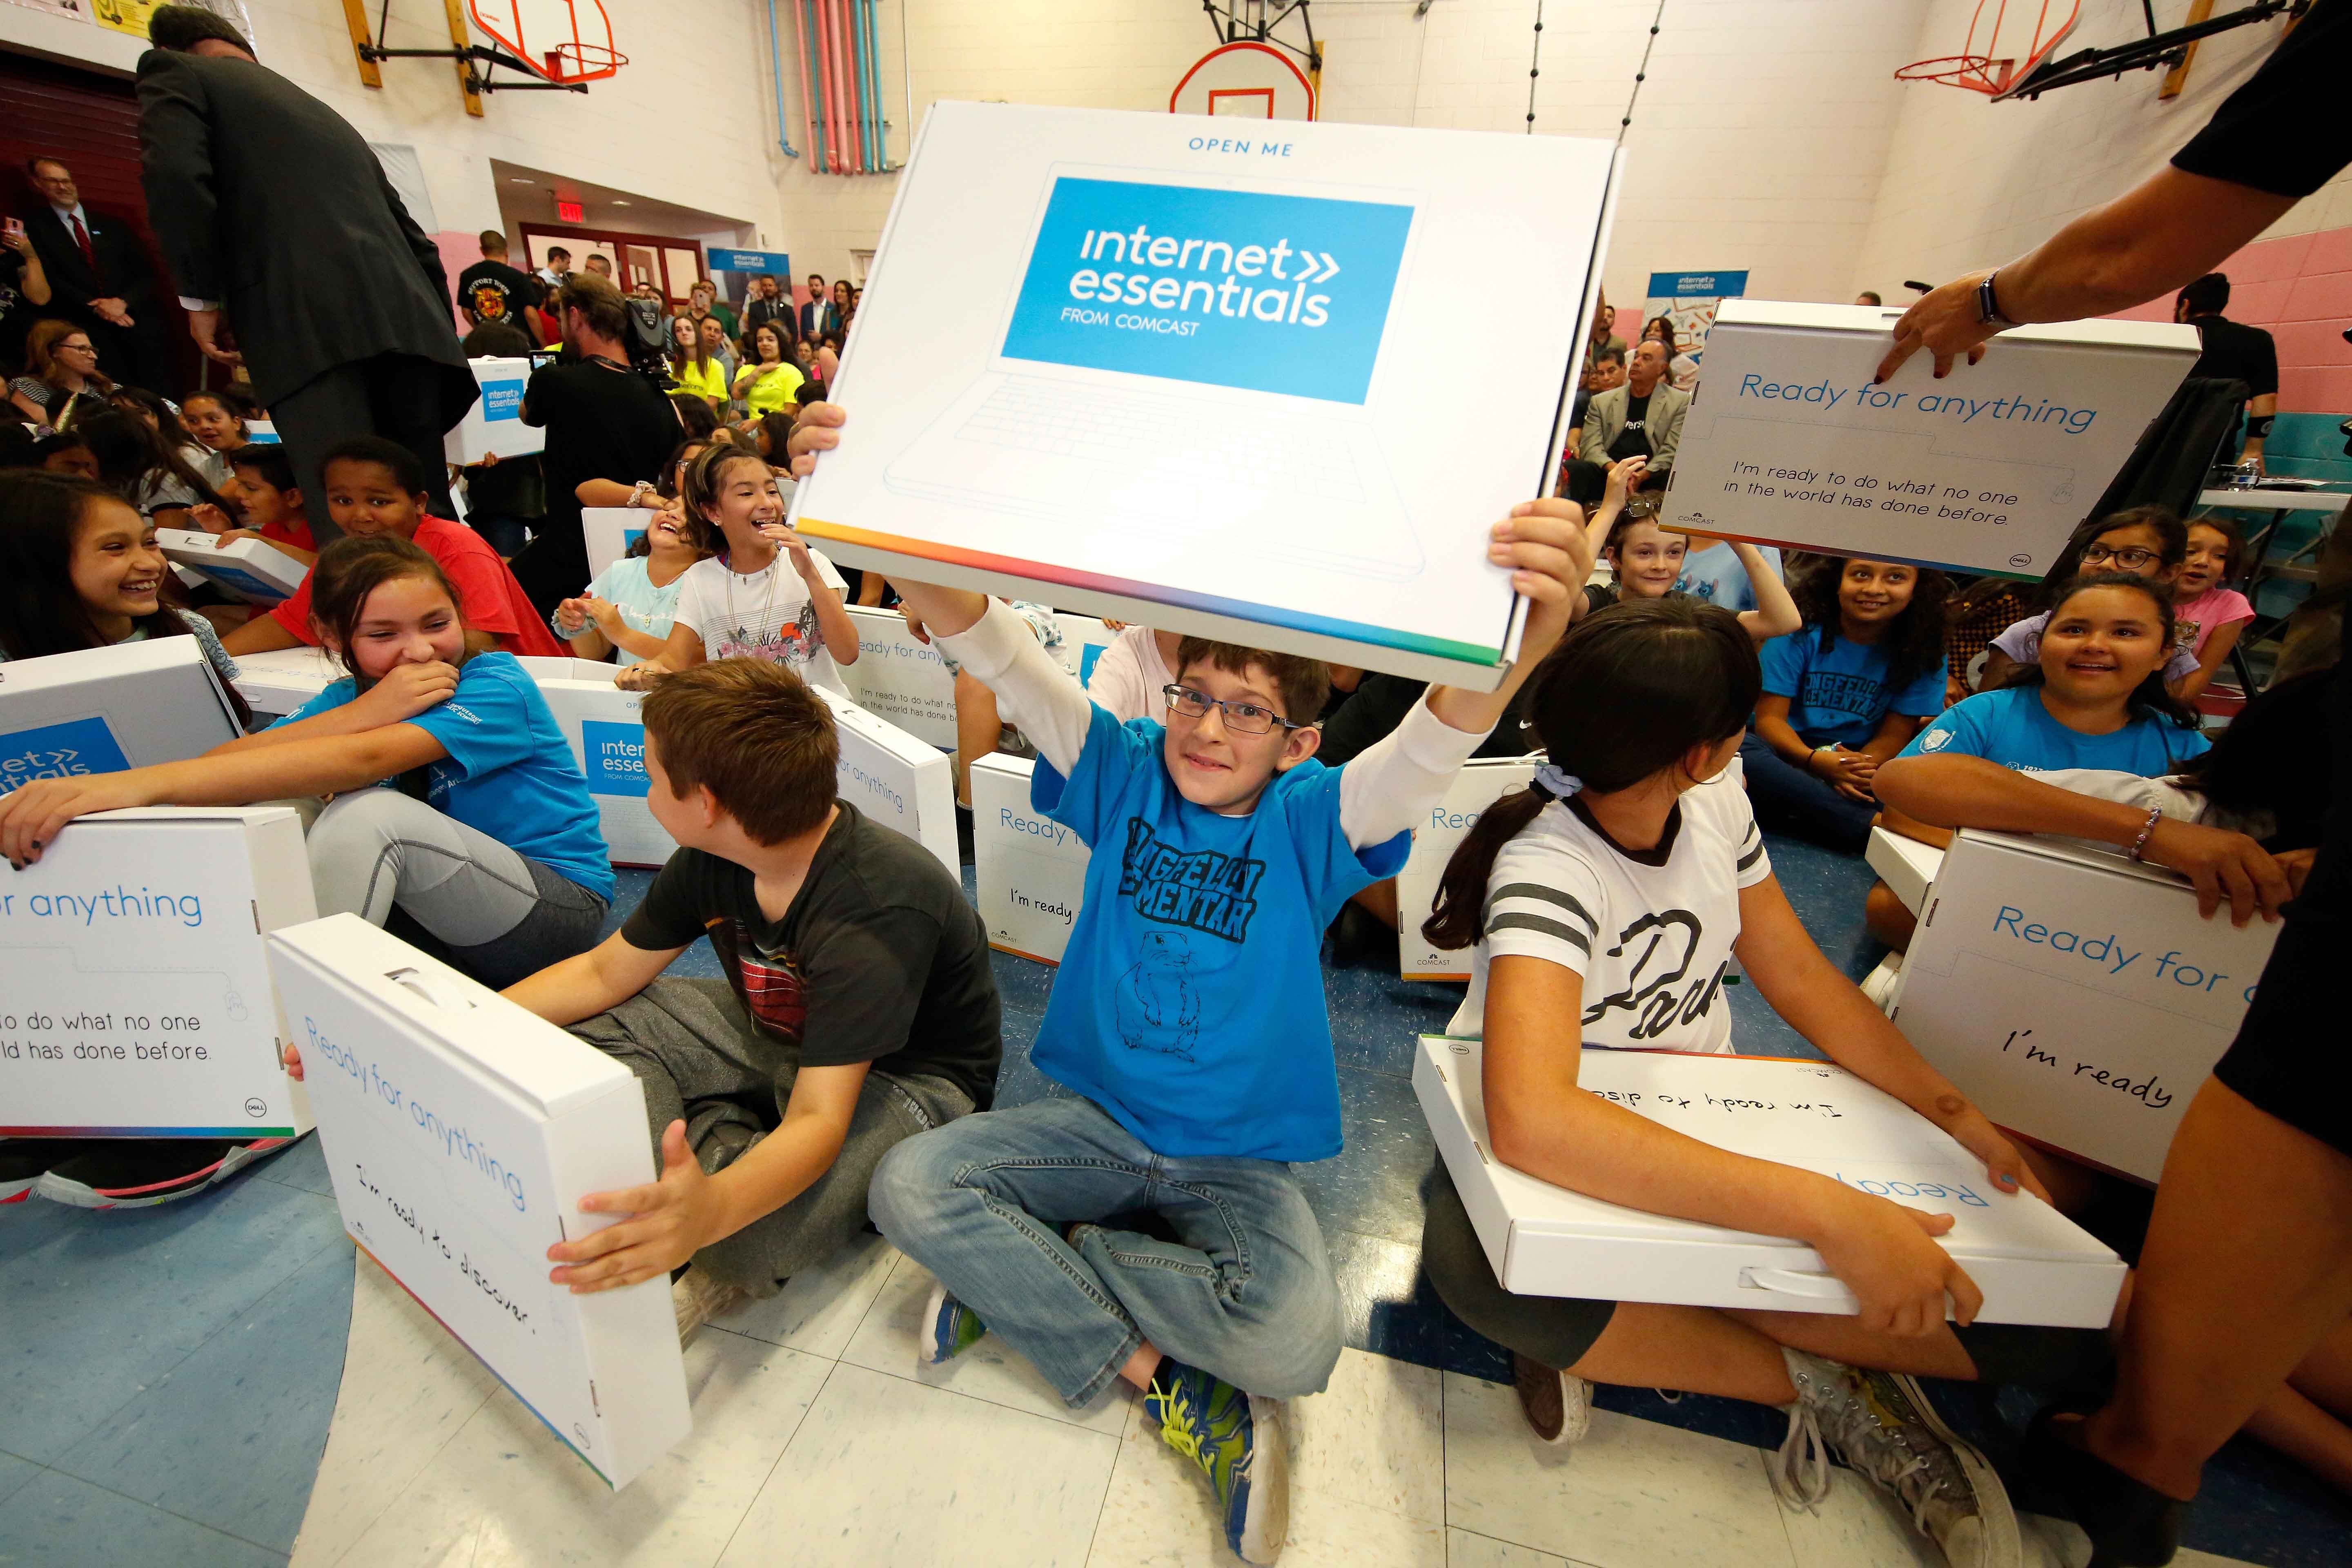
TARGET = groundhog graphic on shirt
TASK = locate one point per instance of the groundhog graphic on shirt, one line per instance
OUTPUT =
(1158, 1008)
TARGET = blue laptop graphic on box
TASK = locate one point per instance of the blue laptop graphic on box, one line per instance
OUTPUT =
(1257, 291)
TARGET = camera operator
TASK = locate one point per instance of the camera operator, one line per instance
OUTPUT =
(604, 420)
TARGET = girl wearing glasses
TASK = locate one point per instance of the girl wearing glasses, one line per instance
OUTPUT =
(2144, 542)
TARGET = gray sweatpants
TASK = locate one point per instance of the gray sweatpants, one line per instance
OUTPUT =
(495, 913)
(701, 1060)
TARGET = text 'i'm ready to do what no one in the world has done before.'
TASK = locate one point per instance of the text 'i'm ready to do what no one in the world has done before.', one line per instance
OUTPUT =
(1823, 485)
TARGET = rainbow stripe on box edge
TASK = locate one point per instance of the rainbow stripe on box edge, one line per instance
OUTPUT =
(245, 1133)
(494, 1372)
(1128, 588)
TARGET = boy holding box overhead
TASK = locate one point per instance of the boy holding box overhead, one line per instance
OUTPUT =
(858, 1007)
(1189, 1017)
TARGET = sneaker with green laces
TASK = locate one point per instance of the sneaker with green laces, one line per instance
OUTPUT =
(1236, 1439)
(1881, 1424)
(949, 1327)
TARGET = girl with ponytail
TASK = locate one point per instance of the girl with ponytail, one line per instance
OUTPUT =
(1605, 904)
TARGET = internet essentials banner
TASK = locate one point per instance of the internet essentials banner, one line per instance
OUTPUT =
(1213, 378)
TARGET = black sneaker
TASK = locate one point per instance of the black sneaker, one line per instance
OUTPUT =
(22, 1160)
(140, 1172)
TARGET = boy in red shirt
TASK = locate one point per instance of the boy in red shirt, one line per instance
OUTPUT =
(375, 486)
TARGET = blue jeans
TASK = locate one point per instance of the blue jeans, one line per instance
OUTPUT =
(1786, 799)
(1246, 1294)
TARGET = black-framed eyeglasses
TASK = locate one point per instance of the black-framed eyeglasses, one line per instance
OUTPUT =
(1240, 718)
(2131, 558)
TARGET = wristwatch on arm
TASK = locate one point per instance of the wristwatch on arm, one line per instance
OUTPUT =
(1988, 303)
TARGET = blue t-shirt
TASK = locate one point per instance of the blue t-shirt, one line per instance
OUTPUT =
(1838, 695)
(1715, 575)
(1189, 1004)
(509, 773)
(2012, 727)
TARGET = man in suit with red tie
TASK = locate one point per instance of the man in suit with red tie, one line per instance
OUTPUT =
(100, 280)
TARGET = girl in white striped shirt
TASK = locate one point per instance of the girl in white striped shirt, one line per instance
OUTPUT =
(1606, 903)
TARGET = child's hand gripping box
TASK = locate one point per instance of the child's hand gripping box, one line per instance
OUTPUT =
(462, 1133)
(2032, 1264)
(1789, 441)
(1030, 870)
(2075, 995)
(1478, 786)
(253, 570)
(134, 994)
(493, 426)
(105, 710)
(900, 678)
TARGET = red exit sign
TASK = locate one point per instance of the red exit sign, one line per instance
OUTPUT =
(570, 212)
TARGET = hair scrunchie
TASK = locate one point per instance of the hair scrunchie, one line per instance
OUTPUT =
(1554, 785)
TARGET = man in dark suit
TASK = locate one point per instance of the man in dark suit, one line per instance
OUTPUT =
(100, 280)
(270, 205)
(819, 315)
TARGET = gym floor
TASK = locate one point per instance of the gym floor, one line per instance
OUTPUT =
(223, 1381)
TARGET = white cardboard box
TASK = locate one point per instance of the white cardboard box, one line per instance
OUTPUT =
(462, 1133)
(1030, 870)
(1258, 393)
(276, 683)
(2032, 1263)
(135, 994)
(2073, 995)
(1988, 471)
(1478, 786)
(494, 426)
(104, 709)
(899, 781)
(253, 570)
(600, 724)
(1084, 638)
(611, 531)
(898, 677)
(1904, 865)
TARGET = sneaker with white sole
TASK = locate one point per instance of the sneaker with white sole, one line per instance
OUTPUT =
(1558, 1404)
(1881, 1424)
(948, 1329)
(1236, 1439)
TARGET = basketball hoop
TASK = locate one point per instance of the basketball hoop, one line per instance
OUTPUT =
(591, 62)
(1981, 66)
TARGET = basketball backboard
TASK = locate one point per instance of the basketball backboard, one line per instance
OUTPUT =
(1246, 81)
(561, 40)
